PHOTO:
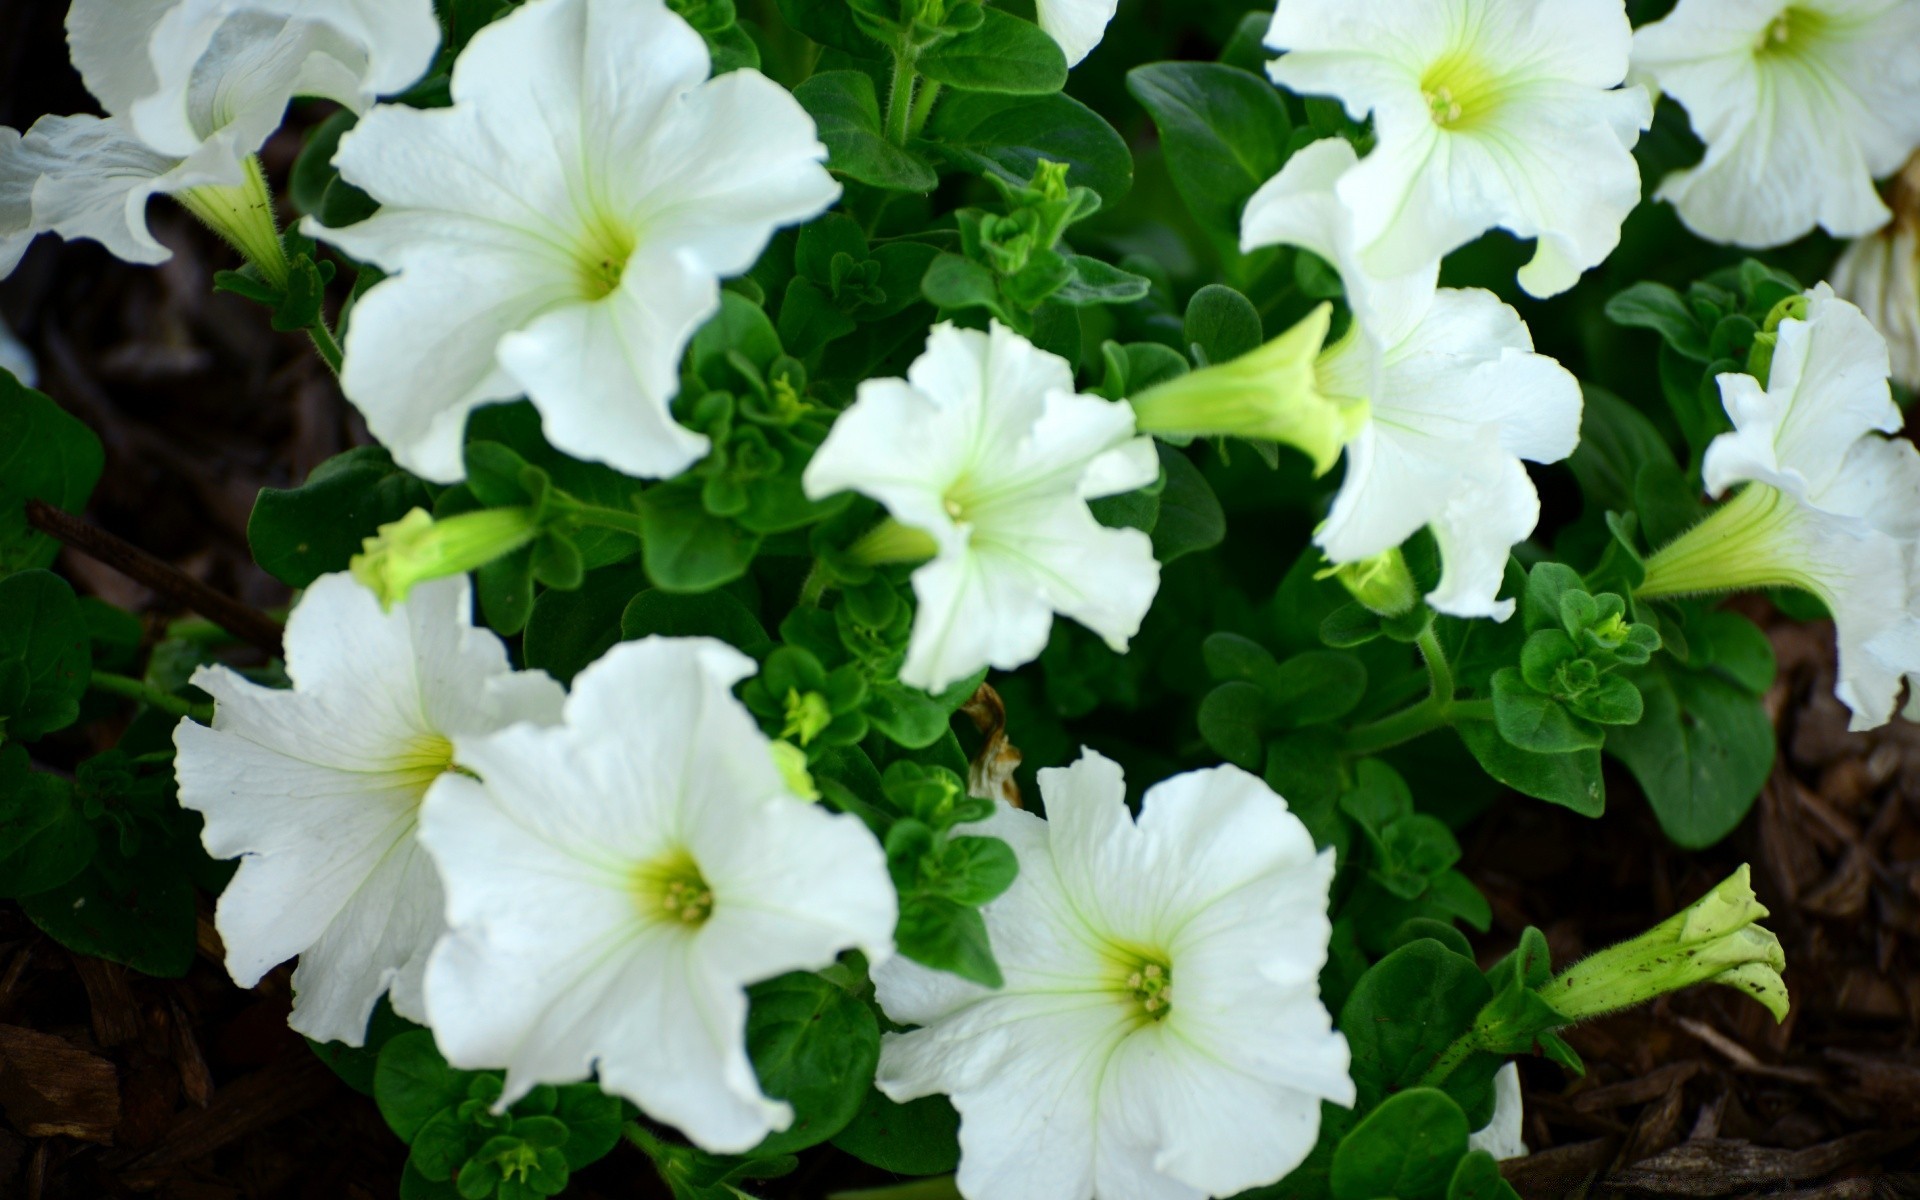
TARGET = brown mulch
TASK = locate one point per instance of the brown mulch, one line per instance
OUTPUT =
(113, 1085)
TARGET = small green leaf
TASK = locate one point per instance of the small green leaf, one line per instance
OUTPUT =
(947, 936)
(302, 533)
(1658, 307)
(1404, 1012)
(1408, 1148)
(1222, 324)
(1224, 132)
(686, 548)
(1569, 780)
(1191, 518)
(816, 1047)
(1009, 136)
(846, 110)
(1701, 751)
(1478, 1177)
(1003, 54)
(1535, 722)
(570, 629)
(45, 455)
(921, 1137)
(412, 1083)
(44, 839)
(45, 655)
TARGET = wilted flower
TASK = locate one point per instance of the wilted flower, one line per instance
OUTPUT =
(1160, 1034)
(317, 790)
(615, 883)
(561, 230)
(1511, 117)
(986, 457)
(1802, 104)
(1880, 273)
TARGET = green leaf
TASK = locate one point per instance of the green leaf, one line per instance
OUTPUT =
(712, 614)
(593, 1122)
(44, 838)
(1535, 722)
(137, 911)
(846, 110)
(568, 630)
(1008, 136)
(45, 655)
(302, 533)
(1404, 1012)
(921, 1137)
(1658, 307)
(1407, 1148)
(1478, 1177)
(686, 548)
(1222, 324)
(1732, 645)
(955, 283)
(1569, 780)
(947, 936)
(816, 1047)
(1233, 720)
(1701, 752)
(829, 22)
(517, 427)
(1224, 131)
(45, 455)
(1191, 518)
(355, 1065)
(412, 1084)
(1095, 282)
(1003, 54)
(1616, 442)
(1316, 687)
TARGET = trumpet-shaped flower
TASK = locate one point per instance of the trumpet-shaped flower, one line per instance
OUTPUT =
(1489, 113)
(1160, 1035)
(988, 453)
(1827, 504)
(1453, 393)
(192, 88)
(1802, 105)
(1078, 25)
(614, 884)
(317, 791)
(1454, 407)
(561, 230)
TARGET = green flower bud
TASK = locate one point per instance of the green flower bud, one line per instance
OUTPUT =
(417, 548)
(1271, 394)
(1382, 584)
(243, 216)
(1716, 940)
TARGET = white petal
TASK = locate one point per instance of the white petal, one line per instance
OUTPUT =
(1300, 207)
(109, 41)
(1880, 274)
(1828, 388)
(1078, 25)
(1502, 1136)
(971, 612)
(603, 373)
(84, 177)
(1491, 513)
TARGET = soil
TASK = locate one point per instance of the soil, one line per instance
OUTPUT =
(113, 1084)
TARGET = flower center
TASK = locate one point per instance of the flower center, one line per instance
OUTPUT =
(1790, 32)
(1458, 90)
(423, 760)
(1150, 983)
(671, 889)
(600, 257)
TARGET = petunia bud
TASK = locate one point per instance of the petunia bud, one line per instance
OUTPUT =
(1272, 394)
(1716, 940)
(417, 548)
(1382, 584)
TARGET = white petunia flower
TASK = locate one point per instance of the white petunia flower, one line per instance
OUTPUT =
(1828, 505)
(1489, 113)
(1880, 274)
(1503, 1136)
(192, 88)
(1078, 25)
(1802, 105)
(1453, 393)
(560, 232)
(986, 450)
(615, 883)
(1160, 1035)
(316, 790)
(1452, 410)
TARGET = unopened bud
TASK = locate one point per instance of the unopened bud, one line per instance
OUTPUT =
(1382, 584)
(417, 548)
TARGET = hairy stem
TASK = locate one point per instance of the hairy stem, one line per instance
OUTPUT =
(900, 100)
(134, 689)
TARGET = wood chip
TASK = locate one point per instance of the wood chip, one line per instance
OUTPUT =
(1724, 1167)
(1560, 1172)
(51, 1088)
(1638, 1091)
(1742, 1058)
(255, 1101)
(116, 1017)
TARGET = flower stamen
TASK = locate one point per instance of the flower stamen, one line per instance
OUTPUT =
(1150, 983)
(671, 889)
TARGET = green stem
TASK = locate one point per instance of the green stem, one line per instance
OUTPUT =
(923, 107)
(601, 517)
(900, 100)
(1437, 711)
(325, 343)
(1450, 1059)
(134, 689)
(819, 579)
